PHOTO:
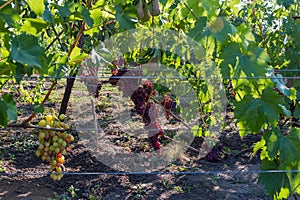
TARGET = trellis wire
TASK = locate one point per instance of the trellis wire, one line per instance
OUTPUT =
(146, 77)
(233, 172)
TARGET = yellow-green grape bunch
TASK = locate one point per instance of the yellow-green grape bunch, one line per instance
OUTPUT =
(54, 145)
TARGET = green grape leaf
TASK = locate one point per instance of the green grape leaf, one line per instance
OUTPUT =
(197, 131)
(271, 108)
(249, 111)
(12, 112)
(87, 17)
(59, 65)
(294, 177)
(290, 147)
(235, 62)
(229, 56)
(96, 15)
(272, 138)
(255, 112)
(26, 50)
(20, 71)
(9, 15)
(38, 7)
(197, 31)
(220, 30)
(100, 3)
(38, 108)
(285, 3)
(211, 7)
(3, 113)
(273, 181)
(69, 8)
(233, 6)
(77, 56)
(188, 8)
(34, 26)
(183, 11)
(3, 29)
(259, 145)
(125, 21)
(47, 16)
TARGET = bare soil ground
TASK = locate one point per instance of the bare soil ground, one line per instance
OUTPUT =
(26, 176)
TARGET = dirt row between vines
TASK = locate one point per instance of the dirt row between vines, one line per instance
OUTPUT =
(17, 155)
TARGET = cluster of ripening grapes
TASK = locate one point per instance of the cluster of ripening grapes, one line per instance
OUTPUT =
(215, 153)
(54, 145)
(141, 98)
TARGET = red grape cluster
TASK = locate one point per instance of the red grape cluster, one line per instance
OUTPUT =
(126, 80)
(149, 111)
(214, 154)
(167, 103)
(116, 75)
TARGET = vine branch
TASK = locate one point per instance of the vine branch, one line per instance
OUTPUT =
(44, 100)
(173, 115)
(36, 127)
(5, 4)
(5, 82)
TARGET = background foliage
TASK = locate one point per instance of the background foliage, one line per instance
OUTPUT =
(255, 44)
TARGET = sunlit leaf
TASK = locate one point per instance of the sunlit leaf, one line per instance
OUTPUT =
(259, 145)
(77, 56)
(34, 25)
(38, 7)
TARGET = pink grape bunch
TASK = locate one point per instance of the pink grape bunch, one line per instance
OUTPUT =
(149, 111)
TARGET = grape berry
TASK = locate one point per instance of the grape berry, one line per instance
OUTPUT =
(53, 145)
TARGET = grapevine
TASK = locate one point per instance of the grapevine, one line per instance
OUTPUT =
(255, 44)
(54, 145)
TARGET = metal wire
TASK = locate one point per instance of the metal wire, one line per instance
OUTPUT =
(158, 173)
(147, 77)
